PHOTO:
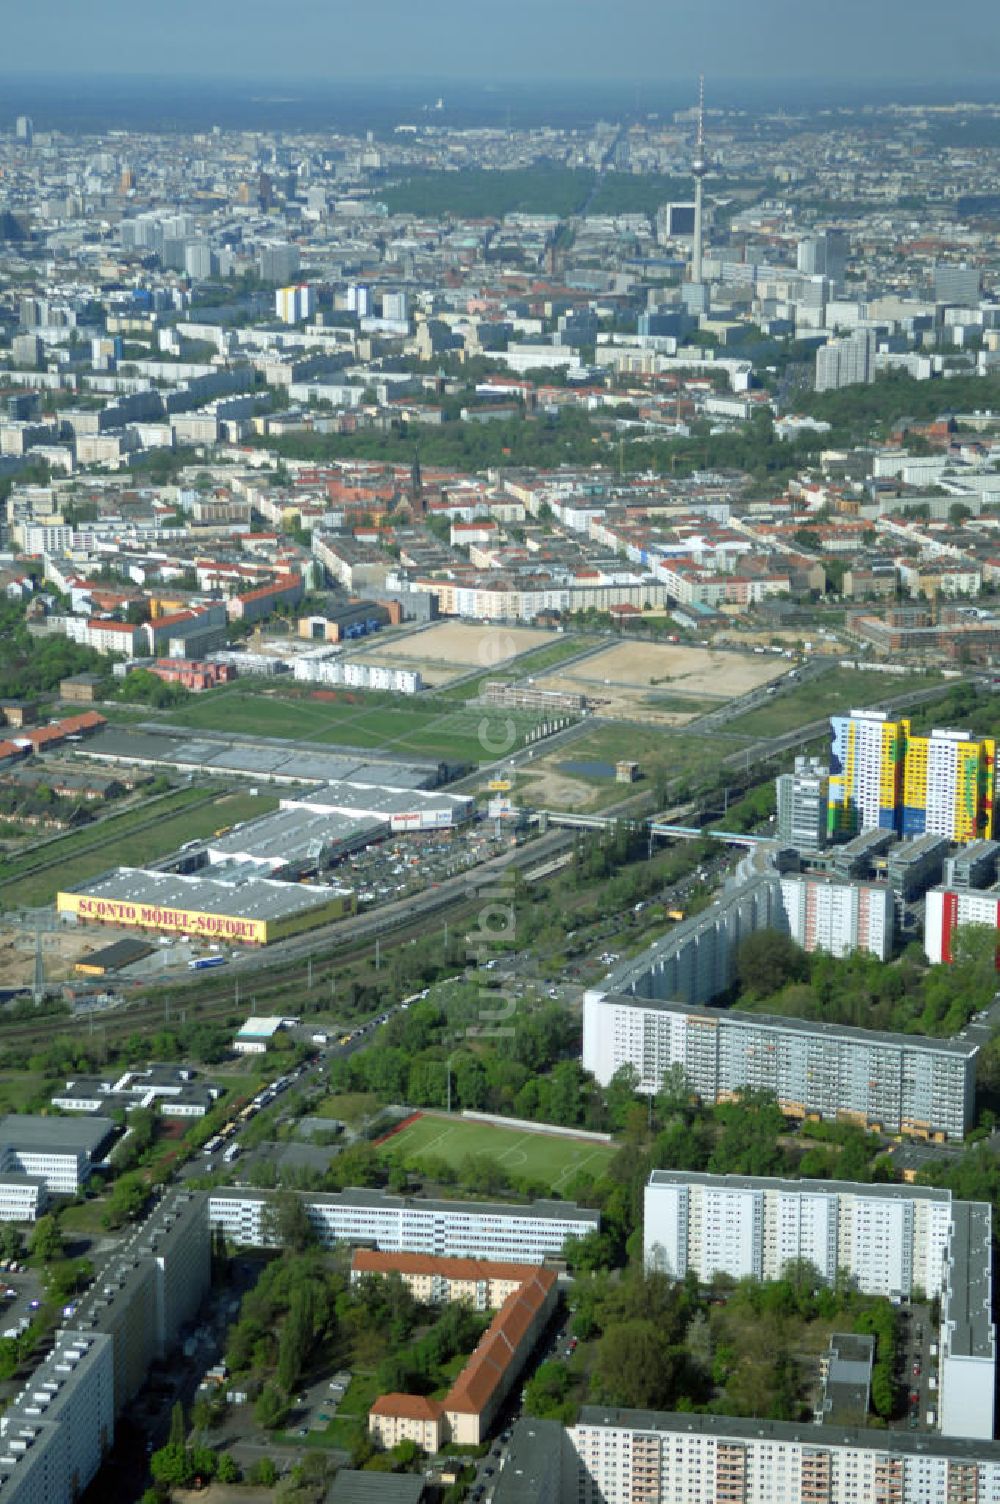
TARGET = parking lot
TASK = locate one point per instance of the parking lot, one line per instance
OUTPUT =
(918, 1365)
(17, 1310)
(403, 865)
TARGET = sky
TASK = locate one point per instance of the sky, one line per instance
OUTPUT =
(561, 40)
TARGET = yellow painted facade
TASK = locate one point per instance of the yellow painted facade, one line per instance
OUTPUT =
(198, 924)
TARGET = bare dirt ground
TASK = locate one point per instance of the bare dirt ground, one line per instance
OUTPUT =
(224, 1493)
(789, 637)
(451, 648)
(625, 680)
(544, 788)
(61, 949)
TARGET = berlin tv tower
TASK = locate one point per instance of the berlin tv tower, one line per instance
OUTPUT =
(699, 168)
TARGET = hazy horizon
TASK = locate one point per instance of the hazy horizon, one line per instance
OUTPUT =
(539, 40)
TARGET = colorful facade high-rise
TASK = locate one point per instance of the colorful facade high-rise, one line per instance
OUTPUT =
(884, 777)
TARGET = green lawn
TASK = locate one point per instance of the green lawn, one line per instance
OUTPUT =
(543, 1157)
(19, 1089)
(112, 828)
(834, 693)
(347, 1107)
(423, 728)
(84, 1219)
(128, 847)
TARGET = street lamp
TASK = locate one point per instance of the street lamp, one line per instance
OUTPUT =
(447, 1071)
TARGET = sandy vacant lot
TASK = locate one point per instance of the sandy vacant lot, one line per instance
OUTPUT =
(450, 648)
(627, 678)
(544, 788)
(60, 950)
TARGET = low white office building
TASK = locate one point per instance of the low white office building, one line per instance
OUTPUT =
(23, 1198)
(59, 1152)
(402, 1224)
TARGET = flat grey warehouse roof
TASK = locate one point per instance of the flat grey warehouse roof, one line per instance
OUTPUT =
(261, 757)
(252, 898)
(55, 1135)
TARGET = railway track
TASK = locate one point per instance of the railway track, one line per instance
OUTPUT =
(275, 975)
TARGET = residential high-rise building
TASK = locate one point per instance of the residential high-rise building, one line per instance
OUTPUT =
(293, 304)
(199, 261)
(622, 1456)
(24, 129)
(695, 960)
(889, 1239)
(395, 306)
(957, 284)
(901, 1083)
(802, 800)
(821, 913)
(824, 255)
(866, 771)
(949, 785)
(883, 776)
(278, 262)
(846, 362)
(946, 909)
(359, 299)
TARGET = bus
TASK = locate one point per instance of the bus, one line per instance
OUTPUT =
(202, 963)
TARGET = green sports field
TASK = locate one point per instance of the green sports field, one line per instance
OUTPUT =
(420, 726)
(543, 1157)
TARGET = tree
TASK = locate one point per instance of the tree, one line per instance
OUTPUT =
(634, 1366)
(595, 1250)
(178, 1430)
(547, 1392)
(287, 1223)
(767, 961)
(271, 1407)
(264, 1473)
(227, 1472)
(171, 1466)
(45, 1243)
(11, 1241)
(126, 1201)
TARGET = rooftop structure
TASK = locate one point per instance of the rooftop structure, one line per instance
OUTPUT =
(400, 809)
(847, 1380)
(293, 840)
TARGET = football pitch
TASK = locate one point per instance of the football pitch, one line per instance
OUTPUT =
(547, 1158)
(419, 727)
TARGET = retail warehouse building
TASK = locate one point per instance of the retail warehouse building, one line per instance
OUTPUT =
(244, 909)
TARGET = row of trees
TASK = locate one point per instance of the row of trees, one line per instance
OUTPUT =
(908, 996)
